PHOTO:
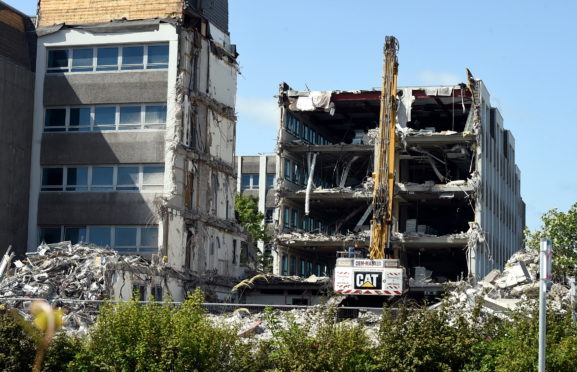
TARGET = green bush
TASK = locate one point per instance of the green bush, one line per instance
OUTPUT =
(333, 347)
(17, 347)
(150, 337)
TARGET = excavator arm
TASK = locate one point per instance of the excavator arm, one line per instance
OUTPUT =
(384, 173)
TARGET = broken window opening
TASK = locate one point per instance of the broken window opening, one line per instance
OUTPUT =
(435, 217)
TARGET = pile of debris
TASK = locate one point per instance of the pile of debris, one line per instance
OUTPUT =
(504, 291)
(288, 238)
(75, 277)
(255, 324)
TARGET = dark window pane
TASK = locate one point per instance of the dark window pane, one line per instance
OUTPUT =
(127, 178)
(104, 118)
(79, 119)
(158, 54)
(82, 60)
(149, 237)
(270, 180)
(133, 56)
(55, 118)
(245, 182)
(129, 117)
(77, 179)
(52, 177)
(102, 176)
(255, 181)
(75, 234)
(106, 59)
(125, 237)
(49, 235)
(100, 236)
(155, 114)
(58, 59)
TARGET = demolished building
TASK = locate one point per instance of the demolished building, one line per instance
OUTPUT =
(134, 133)
(457, 207)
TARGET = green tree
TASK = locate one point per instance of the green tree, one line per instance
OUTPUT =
(251, 219)
(561, 229)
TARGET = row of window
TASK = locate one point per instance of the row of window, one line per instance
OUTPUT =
(124, 239)
(305, 269)
(108, 58)
(104, 178)
(299, 175)
(250, 181)
(292, 219)
(303, 131)
(98, 118)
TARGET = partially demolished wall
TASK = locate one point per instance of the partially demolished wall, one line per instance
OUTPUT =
(452, 149)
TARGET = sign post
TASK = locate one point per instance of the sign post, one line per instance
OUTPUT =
(545, 277)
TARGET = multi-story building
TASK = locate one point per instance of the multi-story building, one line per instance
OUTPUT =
(134, 132)
(17, 63)
(256, 177)
(457, 207)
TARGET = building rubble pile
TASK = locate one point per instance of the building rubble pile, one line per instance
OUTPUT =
(255, 325)
(74, 277)
(299, 236)
(504, 291)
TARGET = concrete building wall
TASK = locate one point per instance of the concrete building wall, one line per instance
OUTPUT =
(105, 88)
(16, 101)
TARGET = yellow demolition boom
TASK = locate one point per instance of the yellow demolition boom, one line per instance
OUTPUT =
(384, 174)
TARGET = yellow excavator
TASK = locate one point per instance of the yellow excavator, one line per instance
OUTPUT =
(381, 273)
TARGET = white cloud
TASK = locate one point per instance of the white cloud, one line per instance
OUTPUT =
(258, 110)
(438, 78)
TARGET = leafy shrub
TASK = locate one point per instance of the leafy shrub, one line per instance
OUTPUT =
(150, 337)
(333, 347)
(18, 347)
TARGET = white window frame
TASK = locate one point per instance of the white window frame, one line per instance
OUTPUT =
(140, 185)
(252, 185)
(117, 67)
(142, 125)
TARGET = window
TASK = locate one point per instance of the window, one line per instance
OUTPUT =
(156, 293)
(52, 179)
(287, 169)
(139, 292)
(153, 177)
(99, 118)
(154, 117)
(104, 178)
(269, 212)
(289, 123)
(234, 251)
(302, 268)
(55, 120)
(249, 181)
(293, 265)
(82, 60)
(79, 119)
(75, 234)
(107, 59)
(284, 265)
(49, 235)
(129, 117)
(104, 118)
(133, 57)
(270, 180)
(76, 179)
(295, 219)
(305, 132)
(125, 239)
(157, 56)
(286, 217)
(57, 60)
